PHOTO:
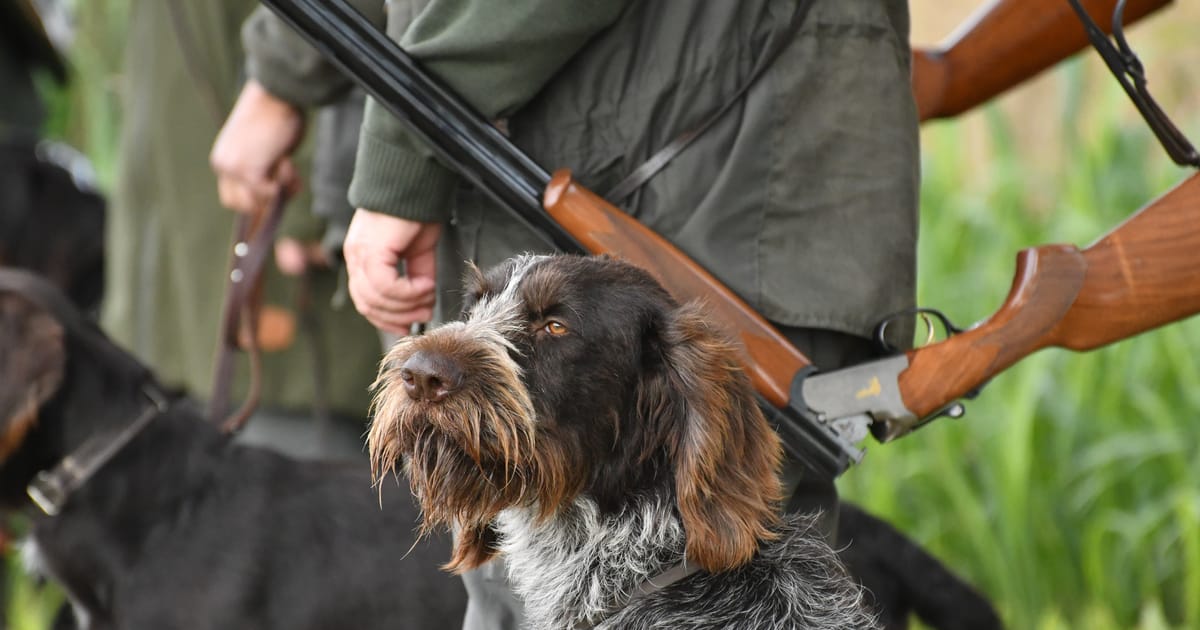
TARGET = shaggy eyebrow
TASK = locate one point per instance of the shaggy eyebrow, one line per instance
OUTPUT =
(543, 289)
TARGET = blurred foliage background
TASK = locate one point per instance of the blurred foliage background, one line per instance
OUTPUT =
(1069, 492)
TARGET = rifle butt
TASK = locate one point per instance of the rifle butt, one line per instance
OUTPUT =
(1143, 274)
(1002, 45)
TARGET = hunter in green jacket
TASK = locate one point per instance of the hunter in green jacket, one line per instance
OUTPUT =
(168, 240)
(802, 197)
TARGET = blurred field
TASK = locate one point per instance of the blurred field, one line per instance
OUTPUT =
(1069, 492)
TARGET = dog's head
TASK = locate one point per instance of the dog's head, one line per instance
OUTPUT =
(55, 365)
(32, 362)
(572, 376)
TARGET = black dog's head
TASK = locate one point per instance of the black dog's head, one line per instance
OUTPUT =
(51, 221)
(54, 365)
(32, 362)
(572, 376)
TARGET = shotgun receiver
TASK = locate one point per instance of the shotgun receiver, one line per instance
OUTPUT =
(821, 417)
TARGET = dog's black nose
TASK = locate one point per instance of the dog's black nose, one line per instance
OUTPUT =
(430, 376)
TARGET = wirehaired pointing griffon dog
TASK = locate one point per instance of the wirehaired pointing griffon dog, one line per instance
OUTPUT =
(603, 438)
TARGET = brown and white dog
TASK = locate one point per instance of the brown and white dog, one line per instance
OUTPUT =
(603, 438)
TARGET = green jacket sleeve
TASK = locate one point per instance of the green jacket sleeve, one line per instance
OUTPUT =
(497, 55)
(287, 66)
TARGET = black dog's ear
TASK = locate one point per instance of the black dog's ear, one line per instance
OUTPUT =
(32, 361)
(725, 456)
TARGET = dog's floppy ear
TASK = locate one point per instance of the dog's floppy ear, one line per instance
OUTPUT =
(473, 547)
(725, 456)
(32, 361)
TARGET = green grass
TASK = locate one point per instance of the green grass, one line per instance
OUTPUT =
(1068, 493)
(31, 606)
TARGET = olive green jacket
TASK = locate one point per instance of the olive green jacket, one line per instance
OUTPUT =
(290, 69)
(802, 198)
(169, 237)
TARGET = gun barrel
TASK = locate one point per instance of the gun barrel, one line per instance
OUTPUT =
(457, 132)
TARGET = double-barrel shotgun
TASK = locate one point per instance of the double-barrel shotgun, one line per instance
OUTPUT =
(1140, 276)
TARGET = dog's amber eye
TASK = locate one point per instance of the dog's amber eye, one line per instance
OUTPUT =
(554, 328)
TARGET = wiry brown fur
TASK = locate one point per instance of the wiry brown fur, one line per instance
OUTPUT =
(726, 456)
(450, 450)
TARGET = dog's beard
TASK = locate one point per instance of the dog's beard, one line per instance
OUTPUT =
(475, 453)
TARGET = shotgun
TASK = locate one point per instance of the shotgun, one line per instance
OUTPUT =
(1001, 45)
(1139, 276)
(1134, 279)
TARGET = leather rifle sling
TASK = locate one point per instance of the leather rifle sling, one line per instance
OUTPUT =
(619, 193)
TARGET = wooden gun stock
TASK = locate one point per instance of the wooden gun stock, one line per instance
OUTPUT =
(1143, 274)
(1002, 45)
(771, 361)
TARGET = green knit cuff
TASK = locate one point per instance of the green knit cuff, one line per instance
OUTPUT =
(286, 65)
(281, 84)
(396, 180)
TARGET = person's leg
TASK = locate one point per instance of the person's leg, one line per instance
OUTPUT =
(491, 604)
(828, 350)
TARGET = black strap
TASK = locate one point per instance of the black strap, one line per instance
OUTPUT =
(648, 169)
(1130, 73)
(50, 489)
(649, 586)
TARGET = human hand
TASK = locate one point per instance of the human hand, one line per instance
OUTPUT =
(251, 153)
(293, 257)
(375, 245)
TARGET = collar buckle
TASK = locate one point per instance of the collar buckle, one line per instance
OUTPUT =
(48, 491)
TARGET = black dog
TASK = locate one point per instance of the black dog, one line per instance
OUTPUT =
(902, 579)
(180, 528)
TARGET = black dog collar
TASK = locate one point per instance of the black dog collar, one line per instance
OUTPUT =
(51, 489)
(649, 586)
